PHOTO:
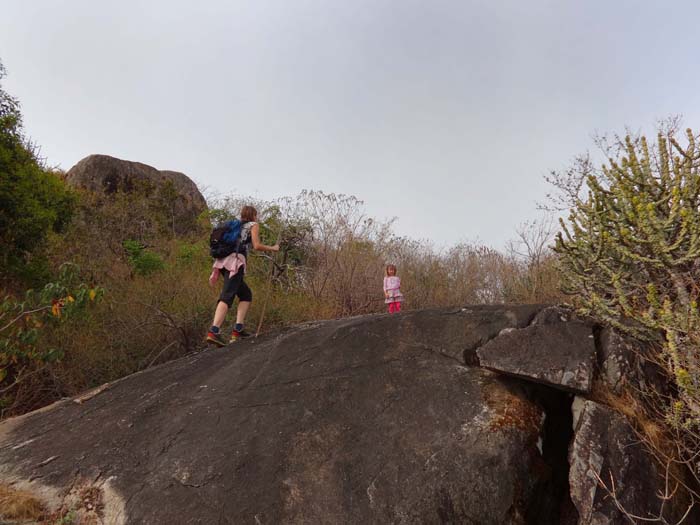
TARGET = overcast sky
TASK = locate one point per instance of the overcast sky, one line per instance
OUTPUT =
(443, 114)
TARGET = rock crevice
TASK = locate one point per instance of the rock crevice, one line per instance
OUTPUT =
(377, 419)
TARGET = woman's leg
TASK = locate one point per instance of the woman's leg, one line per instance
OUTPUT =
(220, 314)
(222, 308)
(397, 308)
(245, 298)
(228, 293)
(242, 311)
(391, 308)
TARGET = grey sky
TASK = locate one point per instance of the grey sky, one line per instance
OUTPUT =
(452, 110)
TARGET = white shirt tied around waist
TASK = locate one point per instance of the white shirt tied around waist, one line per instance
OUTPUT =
(232, 263)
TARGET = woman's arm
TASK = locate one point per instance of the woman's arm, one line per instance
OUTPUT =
(257, 245)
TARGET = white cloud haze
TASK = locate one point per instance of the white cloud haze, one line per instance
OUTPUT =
(443, 114)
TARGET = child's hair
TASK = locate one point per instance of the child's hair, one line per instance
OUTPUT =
(390, 267)
(248, 214)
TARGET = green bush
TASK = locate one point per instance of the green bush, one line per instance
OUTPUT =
(630, 253)
(22, 323)
(34, 201)
(144, 262)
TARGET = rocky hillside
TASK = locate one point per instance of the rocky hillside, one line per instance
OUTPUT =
(105, 175)
(470, 415)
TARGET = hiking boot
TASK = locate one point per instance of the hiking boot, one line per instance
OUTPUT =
(236, 335)
(216, 338)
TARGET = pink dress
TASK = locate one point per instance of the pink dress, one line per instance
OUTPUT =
(392, 285)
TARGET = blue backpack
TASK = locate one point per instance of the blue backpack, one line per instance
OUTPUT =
(225, 239)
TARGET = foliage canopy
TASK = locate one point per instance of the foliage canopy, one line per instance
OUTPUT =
(630, 251)
(34, 201)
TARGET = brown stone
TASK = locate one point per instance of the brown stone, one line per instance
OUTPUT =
(558, 354)
(352, 421)
(606, 450)
(106, 175)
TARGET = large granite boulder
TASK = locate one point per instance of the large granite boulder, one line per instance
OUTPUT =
(459, 332)
(374, 419)
(105, 175)
(613, 479)
(626, 364)
(553, 350)
(350, 421)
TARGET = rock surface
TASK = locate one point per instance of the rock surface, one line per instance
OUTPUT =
(605, 445)
(458, 332)
(354, 421)
(374, 419)
(552, 315)
(553, 352)
(106, 175)
(618, 361)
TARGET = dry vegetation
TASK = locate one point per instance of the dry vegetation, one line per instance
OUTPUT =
(19, 505)
(156, 304)
(97, 287)
(629, 254)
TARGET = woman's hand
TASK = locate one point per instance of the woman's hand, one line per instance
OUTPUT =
(275, 248)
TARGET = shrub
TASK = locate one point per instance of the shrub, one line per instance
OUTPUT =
(34, 201)
(630, 253)
(143, 261)
(23, 352)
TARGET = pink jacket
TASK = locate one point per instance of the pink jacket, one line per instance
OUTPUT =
(392, 285)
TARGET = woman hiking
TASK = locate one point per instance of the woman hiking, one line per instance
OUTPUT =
(233, 267)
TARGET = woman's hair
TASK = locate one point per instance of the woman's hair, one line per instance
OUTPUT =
(390, 267)
(248, 214)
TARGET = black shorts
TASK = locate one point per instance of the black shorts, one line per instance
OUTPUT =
(234, 285)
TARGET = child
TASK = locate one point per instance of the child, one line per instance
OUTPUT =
(233, 268)
(392, 293)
